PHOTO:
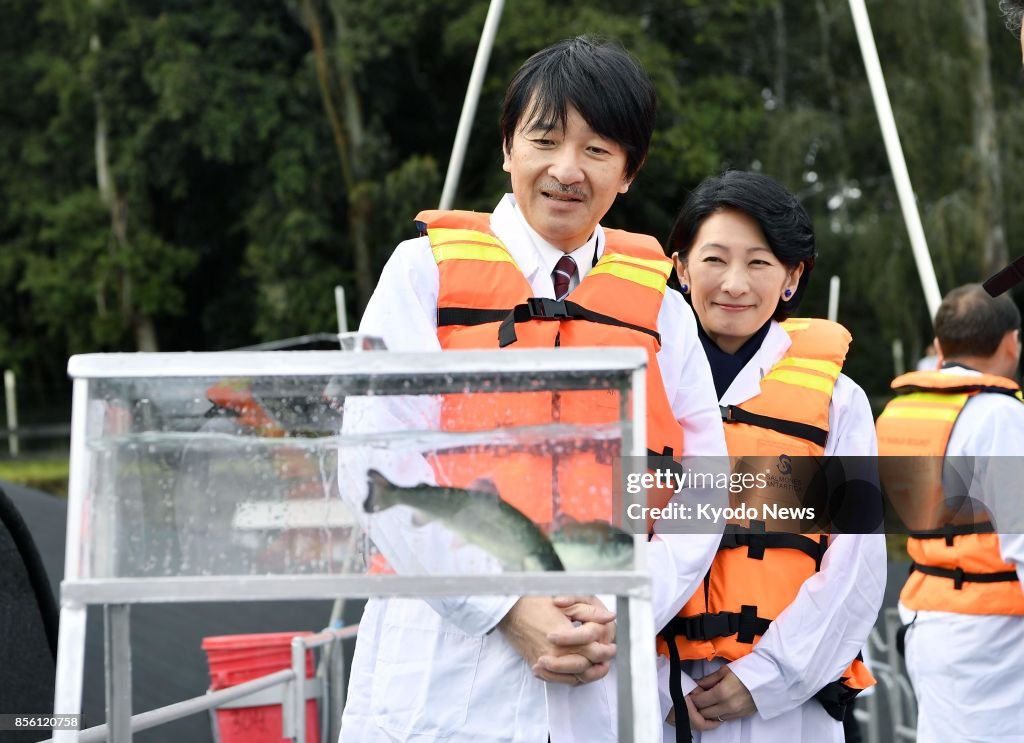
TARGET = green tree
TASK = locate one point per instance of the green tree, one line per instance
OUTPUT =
(195, 175)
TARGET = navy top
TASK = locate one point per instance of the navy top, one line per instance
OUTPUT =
(725, 366)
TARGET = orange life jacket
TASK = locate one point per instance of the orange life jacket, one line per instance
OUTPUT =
(484, 301)
(758, 573)
(956, 565)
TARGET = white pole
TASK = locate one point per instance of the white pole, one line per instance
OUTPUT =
(339, 306)
(11, 396)
(833, 298)
(898, 364)
(894, 149)
(476, 81)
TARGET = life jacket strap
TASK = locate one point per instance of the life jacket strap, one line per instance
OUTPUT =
(468, 316)
(757, 540)
(834, 697)
(959, 577)
(664, 461)
(735, 414)
(675, 690)
(960, 389)
(949, 531)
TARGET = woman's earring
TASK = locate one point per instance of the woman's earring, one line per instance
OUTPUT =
(685, 288)
(788, 293)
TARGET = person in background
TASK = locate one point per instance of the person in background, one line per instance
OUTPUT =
(766, 650)
(538, 272)
(963, 600)
(929, 361)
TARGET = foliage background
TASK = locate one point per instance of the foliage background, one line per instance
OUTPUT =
(191, 175)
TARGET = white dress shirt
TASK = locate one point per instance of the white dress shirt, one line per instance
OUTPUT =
(434, 670)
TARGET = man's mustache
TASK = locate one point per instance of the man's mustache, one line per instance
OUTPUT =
(563, 189)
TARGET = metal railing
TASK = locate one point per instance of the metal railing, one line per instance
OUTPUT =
(297, 690)
(890, 714)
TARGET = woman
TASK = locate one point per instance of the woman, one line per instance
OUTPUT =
(759, 649)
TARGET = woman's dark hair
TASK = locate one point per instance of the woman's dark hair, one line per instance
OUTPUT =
(971, 323)
(600, 79)
(781, 217)
(1013, 14)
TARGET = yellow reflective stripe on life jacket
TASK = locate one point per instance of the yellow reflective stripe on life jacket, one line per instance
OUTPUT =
(466, 251)
(631, 273)
(932, 414)
(829, 368)
(926, 406)
(661, 265)
(934, 398)
(446, 235)
(801, 379)
(796, 324)
(449, 244)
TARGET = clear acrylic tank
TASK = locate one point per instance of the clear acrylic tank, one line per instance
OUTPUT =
(242, 476)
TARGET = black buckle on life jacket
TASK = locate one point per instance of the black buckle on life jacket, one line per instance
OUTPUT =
(534, 308)
(702, 627)
(542, 308)
(709, 626)
(745, 624)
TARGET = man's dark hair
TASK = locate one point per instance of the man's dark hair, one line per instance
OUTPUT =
(782, 219)
(600, 79)
(1013, 14)
(971, 323)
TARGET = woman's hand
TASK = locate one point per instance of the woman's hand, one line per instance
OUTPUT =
(721, 697)
(697, 721)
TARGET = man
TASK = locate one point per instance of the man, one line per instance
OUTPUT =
(963, 600)
(576, 125)
(1013, 12)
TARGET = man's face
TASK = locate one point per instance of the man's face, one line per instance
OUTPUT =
(564, 181)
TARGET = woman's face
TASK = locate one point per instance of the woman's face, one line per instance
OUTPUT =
(735, 281)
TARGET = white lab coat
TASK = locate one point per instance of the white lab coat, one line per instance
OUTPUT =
(816, 637)
(968, 669)
(432, 671)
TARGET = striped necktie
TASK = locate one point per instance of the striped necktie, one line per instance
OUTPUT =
(565, 269)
